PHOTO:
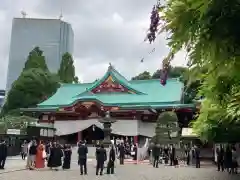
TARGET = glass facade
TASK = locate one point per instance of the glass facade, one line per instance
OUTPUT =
(2, 95)
(53, 36)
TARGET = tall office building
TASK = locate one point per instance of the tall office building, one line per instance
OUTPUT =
(2, 95)
(53, 36)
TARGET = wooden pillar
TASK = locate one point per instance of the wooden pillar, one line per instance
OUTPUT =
(135, 139)
(79, 136)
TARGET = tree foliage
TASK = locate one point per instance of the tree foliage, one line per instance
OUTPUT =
(207, 31)
(175, 72)
(166, 127)
(66, 72)
(191, 87)
(32, 87)
(143, 76)
(15, 122)
(36, 60)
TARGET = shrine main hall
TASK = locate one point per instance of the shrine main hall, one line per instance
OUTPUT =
(75, 109)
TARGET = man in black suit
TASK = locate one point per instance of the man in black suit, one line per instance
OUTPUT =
(121, 153)
(197, 156)
(82, 157)
(3, 154)
(112, 157)
(172, 153)
(101, 157)
(156, 154)
(220, 158)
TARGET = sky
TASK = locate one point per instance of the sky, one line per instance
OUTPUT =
(105, 31)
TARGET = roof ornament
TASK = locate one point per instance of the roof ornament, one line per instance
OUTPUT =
(61, 15)
(24, 14)
(110, 66)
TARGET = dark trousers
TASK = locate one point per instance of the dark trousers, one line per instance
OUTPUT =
(197, 162)
(110, 167)
(188, 160)
(171, 161)
(83, 166)
(23, 155)
(155, 161)
(2, 162)
(220, 165)
(100, 166)
(166, 160)
(121, 159)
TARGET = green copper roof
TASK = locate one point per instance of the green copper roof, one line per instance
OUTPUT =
(147, 93)
(118, 78)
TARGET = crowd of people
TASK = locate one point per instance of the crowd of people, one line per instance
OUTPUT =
(53, 155)
(118, 149)
(56, 155)
(38, 152)
(227, 158)
(167, 155)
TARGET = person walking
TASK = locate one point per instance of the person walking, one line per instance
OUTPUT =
(197, 156)
(187, 154)
(40, 156)
(82, 157)
(228, 158)
(112, 157)
(234, 167)
(3, 153)
(101, 157)
(55, 157)
(220, 159)
(121, 153)
(156, 154)
(24, 149)
(67, 157)
(135, 153)
(32, 155)
(172, 154)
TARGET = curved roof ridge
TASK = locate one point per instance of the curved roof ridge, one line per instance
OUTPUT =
(142, 80)
(119, 74)
(118, 77)
(76, 84)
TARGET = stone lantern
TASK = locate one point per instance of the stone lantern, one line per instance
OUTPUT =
(107, 123)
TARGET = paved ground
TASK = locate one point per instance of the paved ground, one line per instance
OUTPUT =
(125, 172)
(14, 171)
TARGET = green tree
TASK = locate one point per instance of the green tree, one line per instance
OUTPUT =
(191, 87)
(166, 128)
(15, 122)
(175, 72)
(207, 31)
(36, 60)
(142, 76)
(32, 87)
(66, 72)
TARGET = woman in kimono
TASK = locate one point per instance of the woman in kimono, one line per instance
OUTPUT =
(40, 156)
(55, 157)
(67, 151)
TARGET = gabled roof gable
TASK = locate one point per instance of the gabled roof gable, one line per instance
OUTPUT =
(115, 82)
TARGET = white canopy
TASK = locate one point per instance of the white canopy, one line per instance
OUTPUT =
(188, 132)
(70, 127)
(120, 127)
(146, 129)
